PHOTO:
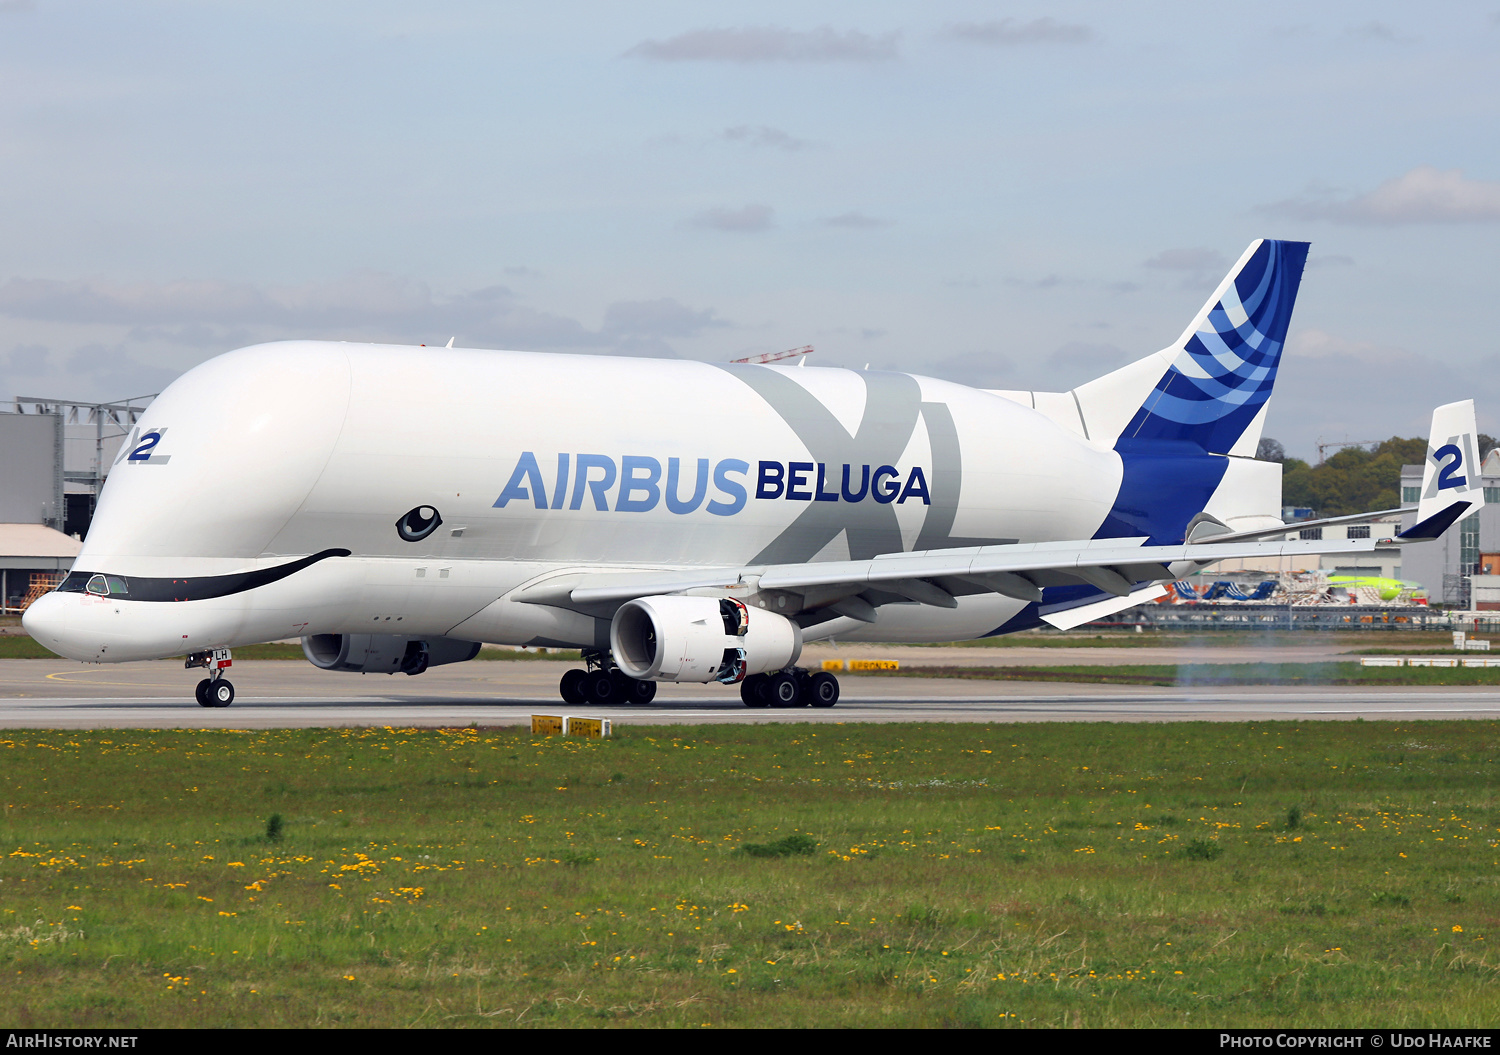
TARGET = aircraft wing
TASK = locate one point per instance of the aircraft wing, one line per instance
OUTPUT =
(1124, 569)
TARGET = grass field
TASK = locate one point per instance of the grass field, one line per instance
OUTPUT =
(858, 875)
(1212, 674)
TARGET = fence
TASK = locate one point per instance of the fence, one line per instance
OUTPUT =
(1201, 617)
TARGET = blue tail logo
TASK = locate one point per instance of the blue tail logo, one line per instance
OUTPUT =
(1225, 369)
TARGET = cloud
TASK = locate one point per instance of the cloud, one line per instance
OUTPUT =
(658, 318)
(748, 218)
(764, 136)
(1010, 31)
(769, 44)
(1077, 362)
(362, 306)
(1329, 260)
(27, 359)
(111, 371)
(365, 295)
(1379, 31)
(152, 332)
(1197, 259)
(1331, 386)
(976, 369)
(16, 5)
(1424, 195)
(1051, 281)
(855, 221)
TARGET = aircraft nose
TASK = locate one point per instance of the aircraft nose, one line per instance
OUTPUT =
(48, 621)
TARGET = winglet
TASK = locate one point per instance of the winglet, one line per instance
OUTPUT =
(1451, 484)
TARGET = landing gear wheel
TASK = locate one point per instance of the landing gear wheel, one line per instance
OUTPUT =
(219, 693)
(823, 689)
(753, 691)
(639, 693)
(785, 690)
(572, 686)
(201, 692)
(601, 689)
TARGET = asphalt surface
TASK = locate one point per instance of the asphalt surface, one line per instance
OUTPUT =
(276, 694)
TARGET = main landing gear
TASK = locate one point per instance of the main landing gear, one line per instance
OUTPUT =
(603, 684)
(790, 688)
(214, 690)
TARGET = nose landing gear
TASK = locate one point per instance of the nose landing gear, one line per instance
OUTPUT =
(214, 690)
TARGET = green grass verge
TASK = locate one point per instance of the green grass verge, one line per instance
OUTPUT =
(1255, 875)
(20, 646)
(1217, 674)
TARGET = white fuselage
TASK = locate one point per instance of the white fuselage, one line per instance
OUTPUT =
(275, 452)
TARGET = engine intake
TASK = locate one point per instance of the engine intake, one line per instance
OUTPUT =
(700, 639)
(384, 653)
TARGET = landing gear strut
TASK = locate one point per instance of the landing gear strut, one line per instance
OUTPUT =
(214, 690)
(603, 684)
(793, 687)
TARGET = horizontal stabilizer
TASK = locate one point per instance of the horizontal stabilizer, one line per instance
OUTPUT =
(1087, 613)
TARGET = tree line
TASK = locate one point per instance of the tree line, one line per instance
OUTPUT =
(1356, 479)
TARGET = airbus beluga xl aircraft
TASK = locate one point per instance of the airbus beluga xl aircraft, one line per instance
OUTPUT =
(395, 507)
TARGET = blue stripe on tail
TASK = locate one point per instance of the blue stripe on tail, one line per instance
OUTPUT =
(1224, 373)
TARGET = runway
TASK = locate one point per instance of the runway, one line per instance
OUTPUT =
(278, 694)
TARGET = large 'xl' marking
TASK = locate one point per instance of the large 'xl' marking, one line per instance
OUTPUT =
(892, 405)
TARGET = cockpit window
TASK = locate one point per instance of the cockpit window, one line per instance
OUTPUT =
(95, 583)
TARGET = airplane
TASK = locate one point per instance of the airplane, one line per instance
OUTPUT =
(679, 521)
(1387, 589)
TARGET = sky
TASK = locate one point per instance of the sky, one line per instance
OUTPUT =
(1004, 195)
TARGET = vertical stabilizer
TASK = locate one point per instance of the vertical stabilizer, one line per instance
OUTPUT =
(1451, 484)
(1210, 387)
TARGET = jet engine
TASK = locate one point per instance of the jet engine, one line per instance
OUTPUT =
(384, 653)
(700, 639)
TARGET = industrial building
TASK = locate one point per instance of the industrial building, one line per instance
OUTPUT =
(57, 454)
(1461, 569)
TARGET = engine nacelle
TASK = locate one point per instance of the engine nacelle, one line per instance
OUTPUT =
(385, 653)
(700, 639)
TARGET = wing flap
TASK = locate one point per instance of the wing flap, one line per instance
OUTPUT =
(1141, 562)
(1068, 618)
(1015, 570)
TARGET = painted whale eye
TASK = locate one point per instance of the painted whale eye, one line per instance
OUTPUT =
(418, 523)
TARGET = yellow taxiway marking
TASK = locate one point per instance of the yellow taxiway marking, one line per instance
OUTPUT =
(64, 675)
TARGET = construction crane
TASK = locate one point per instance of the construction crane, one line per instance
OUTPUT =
(773, 357)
